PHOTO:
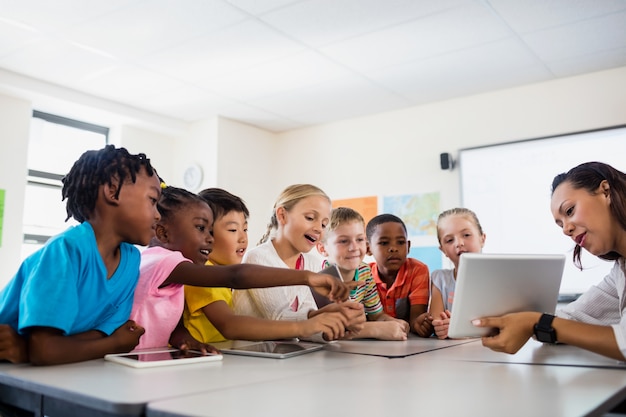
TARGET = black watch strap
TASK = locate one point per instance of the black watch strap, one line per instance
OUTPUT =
(544, 332)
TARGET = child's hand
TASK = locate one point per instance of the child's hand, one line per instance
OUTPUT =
(127, 335)
(332, 325)
(182, 339)
(391, 329)
(12, 345)
(423, 325)
(328, 286)
(441, 325)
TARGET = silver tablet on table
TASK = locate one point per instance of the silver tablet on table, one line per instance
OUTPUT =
(269, 349)
(497, 284)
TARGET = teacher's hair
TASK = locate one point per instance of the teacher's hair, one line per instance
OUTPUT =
(589, 176)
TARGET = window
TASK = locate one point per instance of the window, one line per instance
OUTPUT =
(54, 145)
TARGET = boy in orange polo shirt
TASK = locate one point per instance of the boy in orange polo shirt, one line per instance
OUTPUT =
(403, 283)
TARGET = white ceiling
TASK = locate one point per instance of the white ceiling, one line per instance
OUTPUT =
(285, 64)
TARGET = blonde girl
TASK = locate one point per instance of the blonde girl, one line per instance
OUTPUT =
(299, 217)
(458, 231)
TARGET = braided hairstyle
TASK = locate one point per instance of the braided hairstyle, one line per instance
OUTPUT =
(173, 199)
(588, 176)
(222, 202)
(95, 168)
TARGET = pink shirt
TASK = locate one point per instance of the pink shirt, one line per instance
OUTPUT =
(158, 310)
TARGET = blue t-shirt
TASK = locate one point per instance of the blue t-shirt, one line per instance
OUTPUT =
(64, 285)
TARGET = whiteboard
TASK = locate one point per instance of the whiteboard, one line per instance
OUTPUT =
(508, 186)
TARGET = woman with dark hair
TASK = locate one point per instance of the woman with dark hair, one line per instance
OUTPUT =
(588, 204)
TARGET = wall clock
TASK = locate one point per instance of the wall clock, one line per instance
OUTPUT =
(192, 177)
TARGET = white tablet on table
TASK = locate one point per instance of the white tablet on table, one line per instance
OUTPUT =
(496, 284)
(161, 357)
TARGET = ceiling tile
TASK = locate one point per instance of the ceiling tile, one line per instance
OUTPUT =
(497, 65)
(588, 63)
(531, 15)
(235, 48)
(14, 36)
(256, 7)
(124, 83)
(56, 62)
(321, 22)
(58, 14)
(568, 41)
(146, 27)
(332, 100)
(274, 77)
(434, 35)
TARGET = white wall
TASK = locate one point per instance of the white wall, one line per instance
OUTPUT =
(15, 118)
(398, 152)
(385, 154)
(247, 168)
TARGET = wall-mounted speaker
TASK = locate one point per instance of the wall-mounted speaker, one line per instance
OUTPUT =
(446, 161)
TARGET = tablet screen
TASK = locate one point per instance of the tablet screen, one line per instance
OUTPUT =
(270, 347)
(163, 357)
(276, 349)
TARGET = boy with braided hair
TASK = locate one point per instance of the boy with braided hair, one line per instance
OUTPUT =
(71, 300)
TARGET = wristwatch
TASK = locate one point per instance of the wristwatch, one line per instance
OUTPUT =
(544, 332)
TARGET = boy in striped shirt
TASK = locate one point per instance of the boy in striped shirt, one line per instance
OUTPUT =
(344, 245)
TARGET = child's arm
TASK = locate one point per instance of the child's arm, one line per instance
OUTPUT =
(393, 329)
(48, 346)
(418, 319)
(233, 326)
(353, 312)
(441, 320)
(243, 276)
(13, 347)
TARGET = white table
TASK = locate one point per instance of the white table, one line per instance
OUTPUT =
(394, 349)
(532, 353)
(456, 379)
(415, 385)
(104, 388)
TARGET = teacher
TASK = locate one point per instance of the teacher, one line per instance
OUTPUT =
(589, 205)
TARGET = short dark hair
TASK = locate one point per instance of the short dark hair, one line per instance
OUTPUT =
(589, 176)
(380, 219)
(94, 168)
(222, 202)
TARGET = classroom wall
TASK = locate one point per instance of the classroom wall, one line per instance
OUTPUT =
(398, 152)
(384, 154)
(248, 168)
(15, 115)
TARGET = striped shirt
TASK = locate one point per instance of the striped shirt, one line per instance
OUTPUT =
(366, 294)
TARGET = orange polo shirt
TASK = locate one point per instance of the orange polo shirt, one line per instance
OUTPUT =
(412, 282)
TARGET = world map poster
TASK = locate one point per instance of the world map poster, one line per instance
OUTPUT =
(419, 212)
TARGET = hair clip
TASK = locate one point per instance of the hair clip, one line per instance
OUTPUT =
(163, 185)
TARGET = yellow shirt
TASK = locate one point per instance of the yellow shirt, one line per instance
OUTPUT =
(196, 298)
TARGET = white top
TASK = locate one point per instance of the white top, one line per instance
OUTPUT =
(603, 304)
(444, 280)
(277, 303)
